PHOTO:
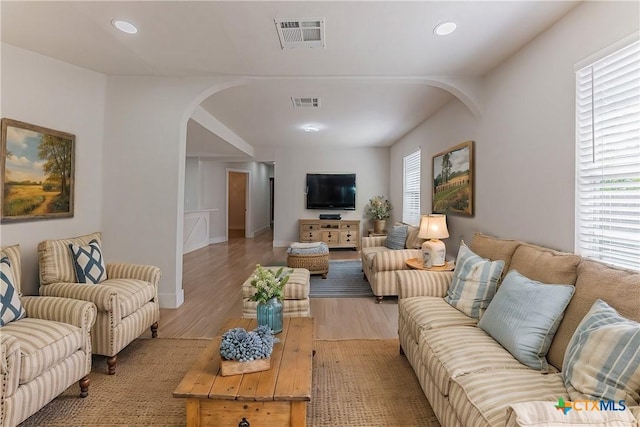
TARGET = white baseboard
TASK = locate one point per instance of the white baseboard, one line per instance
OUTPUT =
(171, 300)
(218, 239)
(281, 243)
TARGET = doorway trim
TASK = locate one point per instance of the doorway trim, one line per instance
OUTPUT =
(248, 228)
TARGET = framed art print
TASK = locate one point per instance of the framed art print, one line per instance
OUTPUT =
(453, 180)
(37, 172)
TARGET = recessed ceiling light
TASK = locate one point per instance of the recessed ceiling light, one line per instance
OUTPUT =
(124, 26)
(310, 128)
(445, 28)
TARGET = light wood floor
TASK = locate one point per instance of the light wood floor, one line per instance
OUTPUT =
(212, 281)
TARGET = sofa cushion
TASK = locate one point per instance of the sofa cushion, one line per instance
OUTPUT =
(541, 413)
(423, 313)
(545, 265)
(459, 350)
(132, 293)
(524, 316)
(474, 282)
(413, 241)
(43, 343)
(397, 237)
(88, 262)
(493, 248)
(603, 357)
(368, 254)
(481, 399)
(55, 260)
(10, 305)
(617, 287)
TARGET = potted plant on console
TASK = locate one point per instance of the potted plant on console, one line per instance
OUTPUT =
(269, 286)
(379, 210)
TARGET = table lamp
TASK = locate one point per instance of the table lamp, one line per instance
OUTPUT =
(433, 227)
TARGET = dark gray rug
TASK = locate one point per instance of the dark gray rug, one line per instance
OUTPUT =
(344, 280)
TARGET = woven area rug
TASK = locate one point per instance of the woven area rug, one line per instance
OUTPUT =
(355, 383)
(344, 280)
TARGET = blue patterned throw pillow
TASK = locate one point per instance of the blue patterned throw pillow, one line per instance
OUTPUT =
(397, 237)
(10, 306)
(88, 262)
(475, 280)
(602, 360)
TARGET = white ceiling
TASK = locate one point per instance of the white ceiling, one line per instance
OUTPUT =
(365, 76)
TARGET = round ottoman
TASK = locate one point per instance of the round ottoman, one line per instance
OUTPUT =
(312, 256)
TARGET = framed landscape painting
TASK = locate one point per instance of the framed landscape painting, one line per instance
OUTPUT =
(37, 173)
(453, 180)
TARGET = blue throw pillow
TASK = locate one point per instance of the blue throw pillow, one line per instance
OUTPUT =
(397, 237)
(475, 280)
(524, 316)
(10, 306)
(88, 262)
(602, 360)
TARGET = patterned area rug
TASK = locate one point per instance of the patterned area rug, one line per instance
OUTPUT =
(344, 280)
(355, 383)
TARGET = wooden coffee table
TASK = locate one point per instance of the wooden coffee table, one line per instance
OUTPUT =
(276, 397)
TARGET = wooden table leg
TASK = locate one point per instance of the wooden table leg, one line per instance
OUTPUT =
(299, 413)
(193, 412)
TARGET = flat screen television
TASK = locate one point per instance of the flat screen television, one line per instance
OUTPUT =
(331, 191)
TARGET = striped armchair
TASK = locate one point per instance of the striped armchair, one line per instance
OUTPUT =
(380, 263)
(127, 301)
(44, 353)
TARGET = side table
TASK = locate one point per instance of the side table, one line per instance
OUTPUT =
(416, 264)
(373, 233)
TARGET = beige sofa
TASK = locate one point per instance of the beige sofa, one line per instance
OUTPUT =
(469, 378)
(379, 263)
(44, 353)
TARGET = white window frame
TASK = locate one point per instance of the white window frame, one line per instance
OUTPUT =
(411, 188)
(608, 156)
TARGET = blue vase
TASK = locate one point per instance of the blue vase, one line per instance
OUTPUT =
(270, 313)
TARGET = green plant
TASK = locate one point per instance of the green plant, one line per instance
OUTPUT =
(378, 208)
(268, 283)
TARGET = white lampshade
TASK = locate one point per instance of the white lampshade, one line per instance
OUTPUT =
(433, 227)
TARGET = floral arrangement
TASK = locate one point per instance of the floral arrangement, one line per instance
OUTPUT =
(378, 208)
(269, 284)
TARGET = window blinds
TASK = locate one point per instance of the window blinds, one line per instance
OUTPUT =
(411, 189)
(608, 159)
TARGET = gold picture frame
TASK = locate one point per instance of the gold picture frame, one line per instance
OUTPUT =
(37, 173)
(453, 181)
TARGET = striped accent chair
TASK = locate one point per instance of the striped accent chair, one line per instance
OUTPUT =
(127, 300)
(44, 353)
(380, 264)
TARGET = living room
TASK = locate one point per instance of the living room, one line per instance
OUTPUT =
(131, 134)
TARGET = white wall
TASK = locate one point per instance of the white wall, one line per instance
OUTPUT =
(191, 184)
(45, 92)
(371, 166)
(524, 147)
(211, 192)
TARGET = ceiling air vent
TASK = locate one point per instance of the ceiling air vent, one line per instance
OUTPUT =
(299, 33)
(306, 102)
